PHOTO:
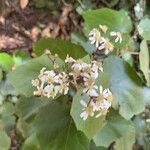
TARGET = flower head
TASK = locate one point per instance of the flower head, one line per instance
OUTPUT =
(104, 28)
(69, 59)
(117, 35)
(106, 46)
(95, 37)
(50, 83)
(98, 104)
(87, 110)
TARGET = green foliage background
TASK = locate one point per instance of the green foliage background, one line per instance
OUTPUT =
(48, 124)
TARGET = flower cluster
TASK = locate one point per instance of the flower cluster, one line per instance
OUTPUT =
(85, 74)
(81, 75)
(96, 36)
(97, 105)
(50, 83)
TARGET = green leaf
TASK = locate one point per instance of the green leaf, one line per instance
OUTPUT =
(81, 40)
(89, 126)
(128, 58)
(126, 86)
(144, 28)
(6, 115)
(115, 20)
(60, 47)
(24, 128)
(56, 131)
(6, 61)
(23, 75)
(126, 142)
(147, 95)
(31, 143)
(1, 74)
(7, 109)
(20, 57)
(4, 141)
(27, 107)
(116, 128)
(26, 110)
(144, 60)
(6, 88)
(94, 147)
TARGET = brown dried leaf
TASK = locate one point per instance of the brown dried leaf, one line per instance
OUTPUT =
(23, 3)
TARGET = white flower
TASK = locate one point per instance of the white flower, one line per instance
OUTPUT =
(51, 83)
(49, 90)
(105, 92)
(35, 82)
(104, 28)
(69, 59)
(105, 104)
(77, 66)
(87, 110)
(117, 35)
(40, 91)
(91, 91)
(105, 45)
(42, 71)
(97, 66)
(95, 37)
(51, 76)
(84, 114)
(63, 88)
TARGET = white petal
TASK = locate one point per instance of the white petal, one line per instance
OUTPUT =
(49, 88)
(97, 44)
(95, 86)
(94, 74)
(85, 75)
(105, 104)
(91, 38)
(100, 89)
(98, 115)
(105, 91)
(84, 115)
(120, 39)
(106, 51)
(113, 33)
(117, 39)
(66, 90)
(93, 41)
(101, 47)
(92, 92)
